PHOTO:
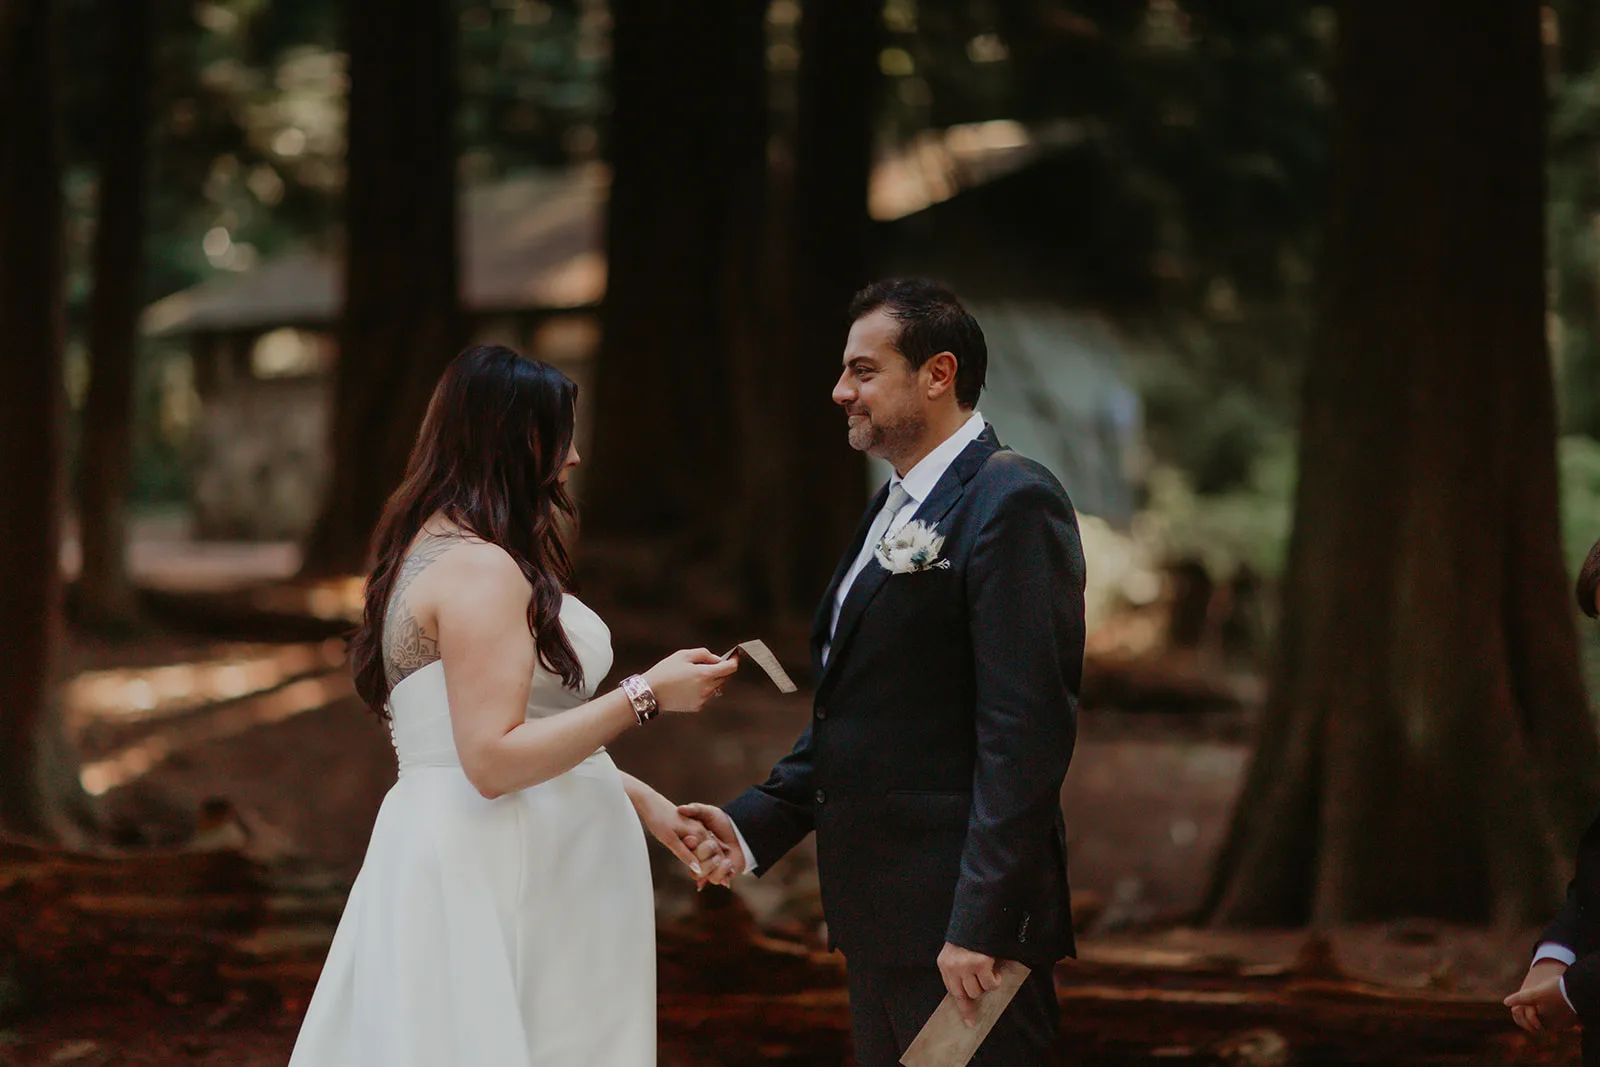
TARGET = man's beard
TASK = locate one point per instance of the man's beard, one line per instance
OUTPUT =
(886, 439)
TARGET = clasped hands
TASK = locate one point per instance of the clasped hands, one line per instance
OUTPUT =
(701, 836)
(1540, 1004)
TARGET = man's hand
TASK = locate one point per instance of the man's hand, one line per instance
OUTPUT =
(686, 838)
(717, 821)
(967, 976)
(1539, 1003)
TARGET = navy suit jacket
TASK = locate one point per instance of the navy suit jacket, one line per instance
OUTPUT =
(943, 725)
(1577, 926)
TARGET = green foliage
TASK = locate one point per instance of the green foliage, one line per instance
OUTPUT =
(248, 99)
(1191, 203)
(1208, 119)
(1579, 457)
(1245, 526)
(1251, 523)
(531, 83)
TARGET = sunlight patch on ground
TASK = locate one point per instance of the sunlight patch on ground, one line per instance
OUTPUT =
(145, 693)
(140, 758)
(337, 599)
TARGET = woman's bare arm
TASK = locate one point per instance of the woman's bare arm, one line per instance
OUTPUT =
(481, 610)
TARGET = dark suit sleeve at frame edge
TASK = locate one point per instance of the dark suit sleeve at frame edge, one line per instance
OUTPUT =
(1563, 929)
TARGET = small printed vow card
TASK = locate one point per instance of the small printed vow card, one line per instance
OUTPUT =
(762, 657)
(947, 1041)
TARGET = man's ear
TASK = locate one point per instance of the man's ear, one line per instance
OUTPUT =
(941, 370)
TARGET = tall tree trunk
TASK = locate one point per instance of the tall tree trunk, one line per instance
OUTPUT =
(1427, 747)
(402, 323)
(761, 529)
(838, 92)
(39, 795)
(688, 90)
(104, 595)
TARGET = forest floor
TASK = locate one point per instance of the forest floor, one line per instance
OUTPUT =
(294, 768)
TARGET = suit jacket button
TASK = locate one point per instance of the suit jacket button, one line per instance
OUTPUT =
(822, 712)
(822, 798)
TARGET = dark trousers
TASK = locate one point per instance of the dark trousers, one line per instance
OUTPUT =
(888, 1006)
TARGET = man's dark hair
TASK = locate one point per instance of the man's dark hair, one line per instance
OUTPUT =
(931, 321)
(1589, 581)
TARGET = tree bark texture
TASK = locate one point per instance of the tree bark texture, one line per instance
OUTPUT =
(104, 595)
(39, 795)
(688, 147)
(1427, 747)
(401, 324)
(839, 84)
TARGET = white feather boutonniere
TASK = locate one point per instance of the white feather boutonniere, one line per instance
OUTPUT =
(915, 547)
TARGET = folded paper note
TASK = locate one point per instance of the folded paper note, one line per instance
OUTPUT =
(946, 1040)
(762, 657)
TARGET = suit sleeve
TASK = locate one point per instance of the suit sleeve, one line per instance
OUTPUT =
(1581, 984)
(1563, 929)
(777, 815)
(1025, 577)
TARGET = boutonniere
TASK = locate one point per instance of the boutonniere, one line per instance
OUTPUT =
(914, 548)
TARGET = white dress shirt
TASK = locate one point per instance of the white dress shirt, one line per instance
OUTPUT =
(917, 482)
(1550, 950)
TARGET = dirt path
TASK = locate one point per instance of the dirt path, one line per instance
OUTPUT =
(305, 768)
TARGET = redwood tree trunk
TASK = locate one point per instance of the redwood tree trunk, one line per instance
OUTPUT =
(401, 323)
(104, 594)
(1427, 747)
(838, 93)
(687, 119)
(39, 795)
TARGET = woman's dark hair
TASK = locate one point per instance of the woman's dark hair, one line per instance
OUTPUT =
(932, 320)
(489, 458)
(1589, 581)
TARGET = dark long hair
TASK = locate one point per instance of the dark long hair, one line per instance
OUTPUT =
(489, 458)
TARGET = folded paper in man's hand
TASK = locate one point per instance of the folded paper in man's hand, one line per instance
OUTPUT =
(946, 1040)
(762, 657)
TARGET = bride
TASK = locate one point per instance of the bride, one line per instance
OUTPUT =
(503, 915)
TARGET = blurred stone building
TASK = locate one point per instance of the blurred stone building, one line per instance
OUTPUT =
(261, 342)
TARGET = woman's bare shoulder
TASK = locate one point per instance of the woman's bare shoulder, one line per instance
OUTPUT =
(477, 570)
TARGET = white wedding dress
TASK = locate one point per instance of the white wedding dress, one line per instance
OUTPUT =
(516, 932)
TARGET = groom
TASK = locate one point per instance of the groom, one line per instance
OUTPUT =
(947, 683)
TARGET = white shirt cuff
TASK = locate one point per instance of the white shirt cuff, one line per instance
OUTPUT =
(1550, 950)
(1562, 982)
(750, 857)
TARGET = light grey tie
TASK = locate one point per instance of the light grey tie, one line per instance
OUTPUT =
(898, 497)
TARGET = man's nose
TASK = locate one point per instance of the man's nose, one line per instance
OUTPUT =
(844, 392)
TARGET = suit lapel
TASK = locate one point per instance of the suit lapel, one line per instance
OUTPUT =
(824, 615)
(953, 485)
(946, 493)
